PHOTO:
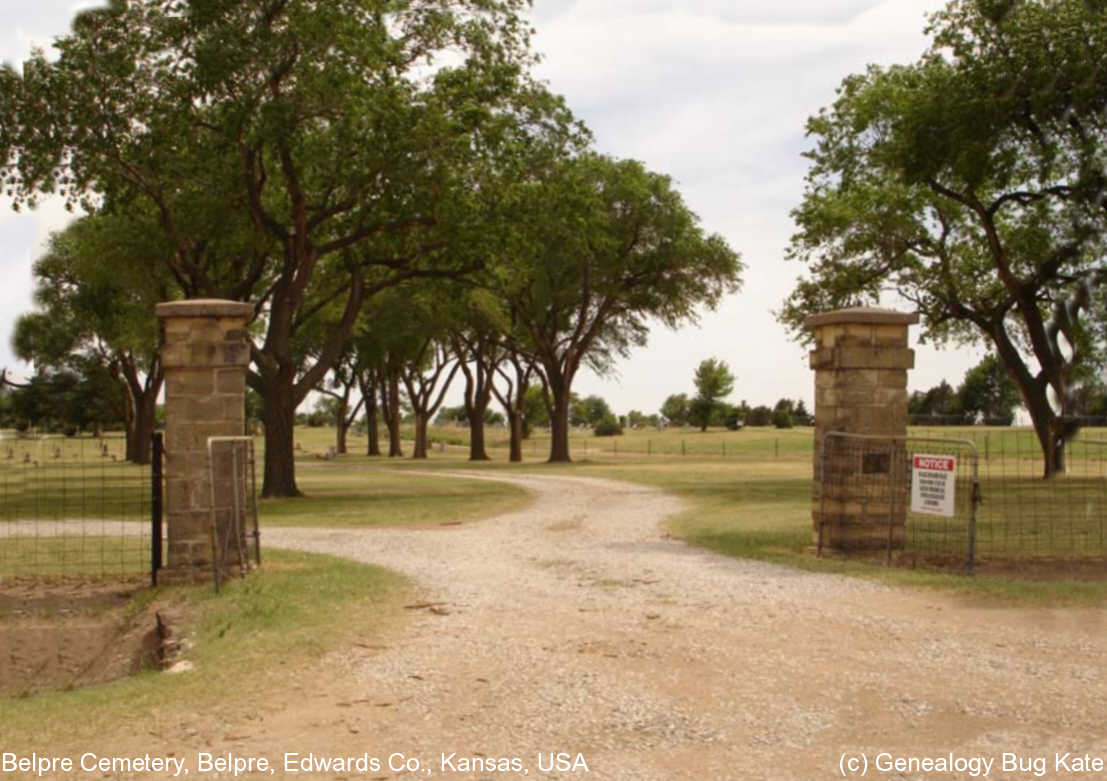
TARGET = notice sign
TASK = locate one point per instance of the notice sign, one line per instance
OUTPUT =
(932, 484)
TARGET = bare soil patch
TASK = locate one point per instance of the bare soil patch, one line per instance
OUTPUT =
(59, 635)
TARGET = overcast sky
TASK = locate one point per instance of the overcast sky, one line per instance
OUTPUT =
(714, 93)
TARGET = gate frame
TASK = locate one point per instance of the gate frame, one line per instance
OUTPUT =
(248, 495)
(974, 502)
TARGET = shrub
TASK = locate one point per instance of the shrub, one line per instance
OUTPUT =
(782, 418)
(608, 427)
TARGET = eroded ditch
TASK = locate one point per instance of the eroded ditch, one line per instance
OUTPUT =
(67, 635)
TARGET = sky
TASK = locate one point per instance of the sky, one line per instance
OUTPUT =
(715, 94)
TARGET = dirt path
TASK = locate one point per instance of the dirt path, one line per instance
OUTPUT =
(575, 626)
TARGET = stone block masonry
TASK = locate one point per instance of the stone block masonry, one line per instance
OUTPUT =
(205, 352)
(860, 359)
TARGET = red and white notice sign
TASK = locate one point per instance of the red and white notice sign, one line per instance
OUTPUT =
(933, 484)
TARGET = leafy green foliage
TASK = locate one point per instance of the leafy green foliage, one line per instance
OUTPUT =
(675, 409)
(95, 291)
(988, 394)
(602, 247)
(298, 155)
(713, 382)
(971, 184)
(608, 426)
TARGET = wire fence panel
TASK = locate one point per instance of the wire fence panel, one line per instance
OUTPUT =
(897, 496)
(72, 507)
(1002, 512)
(236, 540)
(1024, 514)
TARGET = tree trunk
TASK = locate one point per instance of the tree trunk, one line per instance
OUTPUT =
(372, 426)
(559, 425)
(130, 420)
(340, 438)
(279, 416)
(340, 426)
(391, 409)
(142, 427)
(419, 450)
(141, 402)
(515, 422)
(477, 451)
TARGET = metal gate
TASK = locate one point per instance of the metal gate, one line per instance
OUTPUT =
(913, 494)
(235, 537)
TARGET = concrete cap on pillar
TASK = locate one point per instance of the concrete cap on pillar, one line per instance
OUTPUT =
(204, 307)
(862, 314)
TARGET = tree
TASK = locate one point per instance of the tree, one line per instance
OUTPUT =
(939, 406)
(523, 403)
(427, 376)
(675, 409)
(276, 142)
(339, 390)
(589, 411)
(759, 416)
(608, 245)
(95, 293)
(82, 396)
(972, 183)
(607, 426)
(988, 393)
(713, 382)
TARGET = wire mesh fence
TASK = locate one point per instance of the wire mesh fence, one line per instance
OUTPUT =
(236, 539)
(893, 495)
(978, 499)
(1023, 514)
(73, 507)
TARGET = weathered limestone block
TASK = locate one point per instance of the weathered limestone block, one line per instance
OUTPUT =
(205, 353)
(860, 359)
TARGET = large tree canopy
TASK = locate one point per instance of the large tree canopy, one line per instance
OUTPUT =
(972, 183)
(275, 139)
(95, 291)
(604, 246)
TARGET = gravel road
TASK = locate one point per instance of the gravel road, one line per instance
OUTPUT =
(575, 626)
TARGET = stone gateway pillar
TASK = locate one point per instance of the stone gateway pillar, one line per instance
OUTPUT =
(860, 361)
(205, 352)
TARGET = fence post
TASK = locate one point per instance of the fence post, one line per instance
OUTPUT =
(683, 450)
(157, 446)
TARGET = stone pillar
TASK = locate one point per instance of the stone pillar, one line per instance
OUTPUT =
(204, 352)
(860, 361)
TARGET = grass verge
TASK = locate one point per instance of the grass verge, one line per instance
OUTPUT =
(248, 639)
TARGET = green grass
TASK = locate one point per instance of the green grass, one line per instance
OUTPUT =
(252, 636)
(74, 556)
(351, 491)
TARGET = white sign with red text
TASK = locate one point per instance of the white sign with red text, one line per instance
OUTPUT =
(932, 484)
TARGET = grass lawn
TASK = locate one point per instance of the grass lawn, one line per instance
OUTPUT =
(352, 491)
(75, 555)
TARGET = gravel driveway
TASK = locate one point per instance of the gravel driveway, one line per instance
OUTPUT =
(575, 626)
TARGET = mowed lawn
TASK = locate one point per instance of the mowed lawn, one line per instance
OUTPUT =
(351, 491)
